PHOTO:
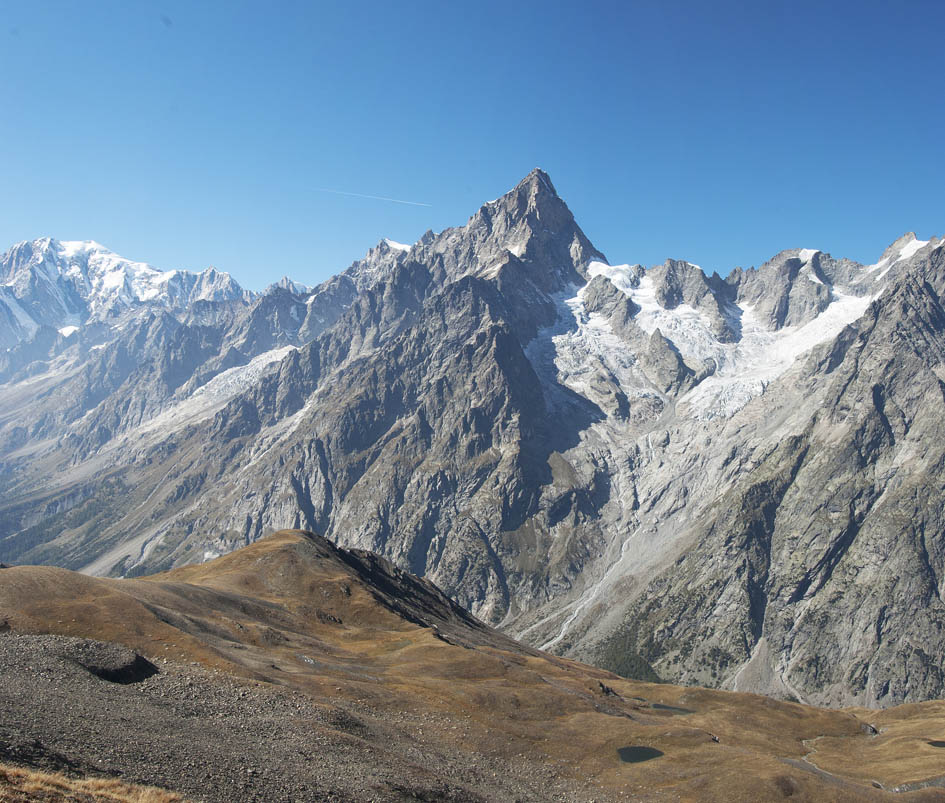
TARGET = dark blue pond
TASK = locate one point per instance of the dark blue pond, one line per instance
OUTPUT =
(637, 753)
(673, 709)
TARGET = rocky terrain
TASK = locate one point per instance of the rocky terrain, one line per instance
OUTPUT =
(292, 669)
(211, 737)
(730, 482)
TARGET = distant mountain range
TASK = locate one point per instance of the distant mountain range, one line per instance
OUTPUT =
(64, 285)
(737, 482)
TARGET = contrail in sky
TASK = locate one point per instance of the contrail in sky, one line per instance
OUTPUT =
(372, 197)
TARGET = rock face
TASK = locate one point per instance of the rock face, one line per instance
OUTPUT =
(732, 482)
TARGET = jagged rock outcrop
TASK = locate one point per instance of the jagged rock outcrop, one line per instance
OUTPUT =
(786, 291)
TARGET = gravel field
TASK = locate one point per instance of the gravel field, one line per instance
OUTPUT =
(91, 708)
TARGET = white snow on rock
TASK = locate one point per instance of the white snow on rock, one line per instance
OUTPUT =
(688, 328)
(516, 249)
(581, 345)
(807, 270)
(492, 271)
(744, 369)
(806, 254)
(397, 246)
(68, 331)
(214, 395)
(74, 279)
(109, 276)
(19, 315)
(578, 350)
(911, 249)
(907, 251)
(623, 277)
(685, 326)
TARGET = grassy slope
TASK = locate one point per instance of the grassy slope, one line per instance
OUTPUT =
(262, 611)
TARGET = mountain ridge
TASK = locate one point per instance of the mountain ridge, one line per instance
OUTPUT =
(554, 440)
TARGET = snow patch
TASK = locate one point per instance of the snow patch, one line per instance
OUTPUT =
(745, 369)
(580, 350)
(624, 277)
(215, 394)
(909, 250)
(492, 271)
(397, 246)
(71, 248)
(68, 331)
(575, 356)
(689, 329)
(20, 315)
(806, 254)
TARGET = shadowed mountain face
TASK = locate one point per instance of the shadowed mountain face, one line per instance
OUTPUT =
(294, 668)
(732, 482)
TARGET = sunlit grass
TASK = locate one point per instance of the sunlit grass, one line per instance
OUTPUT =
(18, 784)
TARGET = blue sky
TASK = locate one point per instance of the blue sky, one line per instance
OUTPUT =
(187, 134)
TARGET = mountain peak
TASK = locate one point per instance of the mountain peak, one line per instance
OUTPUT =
(285, 283)
(65, 283)
(528, 225)
(532, 192)
(540, 179)
(393, 245)
(903, 243)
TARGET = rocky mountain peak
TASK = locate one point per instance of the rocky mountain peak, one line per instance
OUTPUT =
(533, 200)
(897, 247)
(25, 254)
(534, 191)
(285, 283)
(527, 233)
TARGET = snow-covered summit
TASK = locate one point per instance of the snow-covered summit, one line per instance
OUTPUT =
(285, 283)
(732, 337)
(70, 282)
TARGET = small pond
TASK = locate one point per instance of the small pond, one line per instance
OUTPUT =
(637, 753)
(672, 709)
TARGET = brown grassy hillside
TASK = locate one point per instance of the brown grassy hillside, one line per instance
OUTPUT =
(437, 697)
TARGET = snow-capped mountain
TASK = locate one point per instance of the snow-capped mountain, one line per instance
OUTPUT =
(729, 481)
(285, 283)
(65, 284)
(732, 338)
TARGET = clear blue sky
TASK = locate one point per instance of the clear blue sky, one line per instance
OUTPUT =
(194, 133)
